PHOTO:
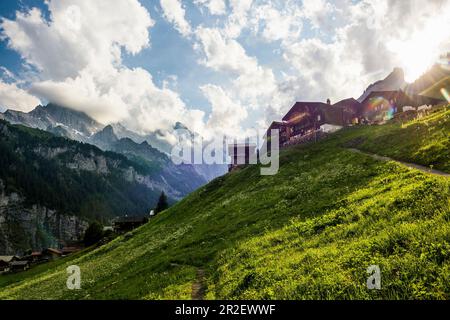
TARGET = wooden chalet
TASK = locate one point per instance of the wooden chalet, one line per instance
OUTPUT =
(305, 119)
(242, 154)
(5, 262)
(19, 266)
(344, 113)
(36, 256)
(381, 106)
(51, 254)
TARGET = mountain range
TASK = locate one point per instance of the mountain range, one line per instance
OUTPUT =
(78, 126)
(59, 169)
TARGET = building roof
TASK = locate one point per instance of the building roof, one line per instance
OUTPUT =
(7, 258)
(18, 263)
(385, 93)
(302, 107)
(51, 250)
(71, 249)
(346, 103)
(278, 124)
(132, 219)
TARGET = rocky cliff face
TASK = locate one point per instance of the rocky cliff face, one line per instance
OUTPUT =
(34, 227)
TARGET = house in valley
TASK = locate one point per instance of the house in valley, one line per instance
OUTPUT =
(19, 266)
(36, 257)
(4, 266)
(5, 262)
(51, 254)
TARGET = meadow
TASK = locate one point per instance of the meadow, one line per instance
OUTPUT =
(309, 232)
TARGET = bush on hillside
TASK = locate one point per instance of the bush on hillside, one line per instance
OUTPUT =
(93, 234)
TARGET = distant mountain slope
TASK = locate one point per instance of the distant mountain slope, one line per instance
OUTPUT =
(183, 178)
(158, 140)
(394, 81)
(65, 122)
(435, 91)
(309, 232)
(430, 78)
(104, 138)
(76, 125)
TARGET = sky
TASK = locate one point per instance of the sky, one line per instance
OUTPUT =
(218, 66)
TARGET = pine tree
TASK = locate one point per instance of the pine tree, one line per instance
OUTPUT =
(162, 203)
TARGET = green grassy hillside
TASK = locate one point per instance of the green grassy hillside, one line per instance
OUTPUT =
(311, 231)
(424, 141)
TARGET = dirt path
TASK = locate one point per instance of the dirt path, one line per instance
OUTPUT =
(409, 165)
(198, 287)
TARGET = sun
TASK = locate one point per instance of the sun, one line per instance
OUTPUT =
(421, 50)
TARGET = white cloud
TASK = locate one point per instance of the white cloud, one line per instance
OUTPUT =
(78, 53)
(278, 23)
(238, 19)
(227, 115)
(216, 7)
(81, 33)
(12, 97)
(323, 70)
(175, 14)
(318, 12)
(223, 54)
(251, 86)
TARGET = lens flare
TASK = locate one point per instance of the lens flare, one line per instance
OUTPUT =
(446, 94)
(420, 50)
(382, 108)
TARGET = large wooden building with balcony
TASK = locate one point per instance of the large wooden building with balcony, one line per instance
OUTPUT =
(306, 119)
